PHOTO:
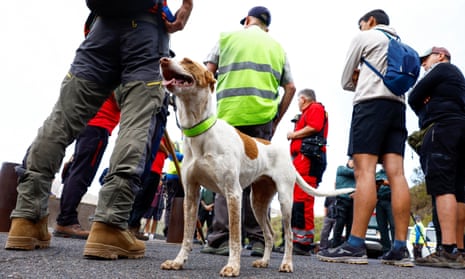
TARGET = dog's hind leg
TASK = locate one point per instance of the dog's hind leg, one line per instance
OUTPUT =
(191, 204)
(263, 190)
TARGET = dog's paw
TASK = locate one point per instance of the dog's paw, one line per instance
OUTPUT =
(229, 271)
(286, 267)
(260, 263)
(171, 265)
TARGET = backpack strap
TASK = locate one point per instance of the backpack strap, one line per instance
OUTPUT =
(390, 37)
(372, 68)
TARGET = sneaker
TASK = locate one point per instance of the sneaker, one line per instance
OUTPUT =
(109, 242)
(397, 258)
(138, 234)
(344, 253)
(25, 234)
(257, 249)
(442, 259)
(71, 231)
(222, 250)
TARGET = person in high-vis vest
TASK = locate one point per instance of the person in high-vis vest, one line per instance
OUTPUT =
(250, 67)
(417, 237)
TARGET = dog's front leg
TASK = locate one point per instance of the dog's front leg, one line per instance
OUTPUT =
(285, 198)
(191, 200)
(234, 202)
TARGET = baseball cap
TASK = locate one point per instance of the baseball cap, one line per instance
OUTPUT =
(261, 13)
(433, 50)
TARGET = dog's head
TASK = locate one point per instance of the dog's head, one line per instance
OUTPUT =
(185, 76)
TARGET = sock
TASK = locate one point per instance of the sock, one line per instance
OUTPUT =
(449, 248)
(356, 241)
(398, 244)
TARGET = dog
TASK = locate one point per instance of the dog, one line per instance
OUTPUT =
(224, 160)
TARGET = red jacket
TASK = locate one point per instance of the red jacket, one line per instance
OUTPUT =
(314, 115)
(108, 116)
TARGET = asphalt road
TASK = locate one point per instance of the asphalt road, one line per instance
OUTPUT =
(64, 260)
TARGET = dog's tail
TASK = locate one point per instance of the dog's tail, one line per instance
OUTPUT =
(320, 192)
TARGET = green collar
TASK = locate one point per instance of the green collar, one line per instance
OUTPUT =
(201, 127)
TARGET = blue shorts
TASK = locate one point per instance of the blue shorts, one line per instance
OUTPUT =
(378, 128)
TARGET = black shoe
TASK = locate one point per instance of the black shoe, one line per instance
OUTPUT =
(397, 258)
(222, 250)
(278, 249)
(344, 253)
(257, 249)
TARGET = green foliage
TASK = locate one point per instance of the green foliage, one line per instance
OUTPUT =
(421, 203)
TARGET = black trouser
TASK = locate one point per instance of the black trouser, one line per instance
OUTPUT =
(88, 151)
(344, 216)
(385, 221)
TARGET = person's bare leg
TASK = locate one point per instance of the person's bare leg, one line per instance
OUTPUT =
(400, 194)
(460, 224)
(365, 193)
(446, 206)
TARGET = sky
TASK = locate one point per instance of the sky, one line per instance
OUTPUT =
(39, 40)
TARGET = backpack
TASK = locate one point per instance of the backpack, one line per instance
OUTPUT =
(403, 66)
(112, 8)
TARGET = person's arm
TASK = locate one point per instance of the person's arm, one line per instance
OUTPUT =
(422, 91)
(289, 91)
(302, 133)
(351, 69)
(182, 15)
(212, 67)
(288, 85)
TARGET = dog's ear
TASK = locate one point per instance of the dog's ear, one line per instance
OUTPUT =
(210, 79)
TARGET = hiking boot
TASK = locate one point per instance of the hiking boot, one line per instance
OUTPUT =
(28, 235)
(442, 259)
(109, 242)
(397, 257)
(138, 234)
(257, 249)
(345, 253)
(222, 250)
(279, 248)
(71, 231)
(300, 250)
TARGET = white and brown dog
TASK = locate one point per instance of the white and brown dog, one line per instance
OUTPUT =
(224, 160)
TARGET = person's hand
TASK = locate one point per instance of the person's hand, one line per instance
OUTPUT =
(209, 207)
(290, 135)
(355, 75)
(182, 15)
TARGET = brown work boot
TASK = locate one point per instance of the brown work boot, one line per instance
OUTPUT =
(26, 234)
(71, 231)
(138, 234)
(109, 242)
